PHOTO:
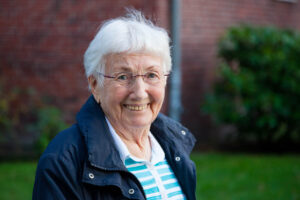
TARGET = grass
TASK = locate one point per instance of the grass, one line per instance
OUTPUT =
(16, 180)
(219, 176)
(243, 177)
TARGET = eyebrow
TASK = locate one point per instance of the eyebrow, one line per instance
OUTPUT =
(153, 67)
(125, 68)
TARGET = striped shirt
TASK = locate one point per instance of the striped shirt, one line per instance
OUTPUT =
(158, 181)
(156, 176)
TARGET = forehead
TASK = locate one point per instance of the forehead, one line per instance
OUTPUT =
(133, 62)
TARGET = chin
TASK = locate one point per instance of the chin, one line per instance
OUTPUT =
(141, 122)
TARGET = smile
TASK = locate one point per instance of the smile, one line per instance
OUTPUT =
(136, 107)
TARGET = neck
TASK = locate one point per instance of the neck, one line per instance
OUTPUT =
(136, 140)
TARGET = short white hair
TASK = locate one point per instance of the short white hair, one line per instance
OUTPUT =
(130, 34)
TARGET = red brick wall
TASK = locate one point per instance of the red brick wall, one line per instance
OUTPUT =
(42, 43)
(202, 24)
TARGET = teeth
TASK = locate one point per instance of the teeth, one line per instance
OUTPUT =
(136, 108)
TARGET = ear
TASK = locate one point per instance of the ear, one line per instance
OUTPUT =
(93, 83)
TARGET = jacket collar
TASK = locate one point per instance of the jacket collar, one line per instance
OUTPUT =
(102, 152)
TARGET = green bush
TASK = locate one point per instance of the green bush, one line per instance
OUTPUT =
(17, 109)
(49, 123)
(258, 88)
(23, 115)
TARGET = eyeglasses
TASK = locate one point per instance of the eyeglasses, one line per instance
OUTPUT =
(126, 78)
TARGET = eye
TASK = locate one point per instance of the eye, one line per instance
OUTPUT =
(122, 77)
(152, 75)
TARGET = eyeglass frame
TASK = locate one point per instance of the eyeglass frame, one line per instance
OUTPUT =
(132, 76)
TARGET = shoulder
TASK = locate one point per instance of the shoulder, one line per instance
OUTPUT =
(174, 130)
(60, 167)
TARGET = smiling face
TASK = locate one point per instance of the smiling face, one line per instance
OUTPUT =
(137, 104)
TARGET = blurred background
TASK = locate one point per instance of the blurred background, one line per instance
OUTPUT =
(239, 70)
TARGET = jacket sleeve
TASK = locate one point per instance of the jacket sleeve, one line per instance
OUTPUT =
(56, 178)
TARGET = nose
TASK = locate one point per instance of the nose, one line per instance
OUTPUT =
(139, 88)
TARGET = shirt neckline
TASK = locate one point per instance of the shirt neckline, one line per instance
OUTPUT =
(157, 153)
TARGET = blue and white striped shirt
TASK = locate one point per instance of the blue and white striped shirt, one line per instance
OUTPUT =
(158, 181)
(156, 176)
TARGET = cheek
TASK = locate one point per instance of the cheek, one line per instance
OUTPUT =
(116, 96)
(158, 95)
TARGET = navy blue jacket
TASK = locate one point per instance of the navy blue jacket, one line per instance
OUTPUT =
(82, 162)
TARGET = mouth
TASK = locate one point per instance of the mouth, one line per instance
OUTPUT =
(135, 107)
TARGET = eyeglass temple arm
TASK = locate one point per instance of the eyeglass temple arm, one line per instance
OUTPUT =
(106, 76)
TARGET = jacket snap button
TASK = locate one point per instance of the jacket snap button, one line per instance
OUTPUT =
(177, 158)
(91, 175)
(183, 132)
(131, 191)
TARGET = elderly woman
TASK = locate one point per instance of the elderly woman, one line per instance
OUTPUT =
(121, 146)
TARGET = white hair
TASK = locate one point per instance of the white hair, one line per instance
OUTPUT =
(130, 34)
